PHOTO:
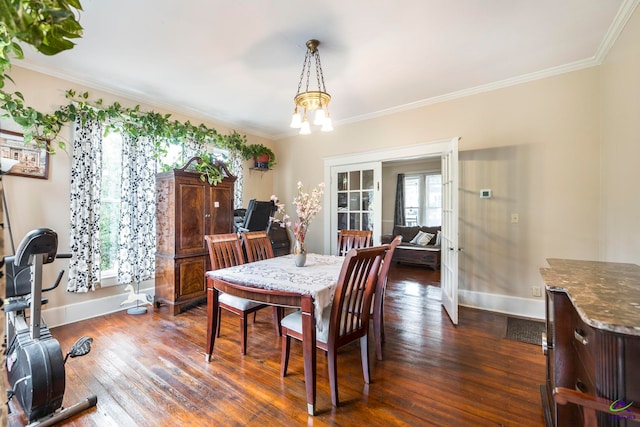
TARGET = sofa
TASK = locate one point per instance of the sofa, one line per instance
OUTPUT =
(425, 252)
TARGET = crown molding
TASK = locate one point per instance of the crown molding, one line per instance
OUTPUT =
(622, 17)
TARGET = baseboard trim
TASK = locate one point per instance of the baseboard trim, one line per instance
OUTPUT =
(515, 306)
(95, 307)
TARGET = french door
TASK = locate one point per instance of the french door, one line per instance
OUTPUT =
(449, 237)
(447, 149)
(356, 200)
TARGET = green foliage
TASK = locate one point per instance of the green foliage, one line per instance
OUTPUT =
(256, 150)
(209, 169)
(47, 25)
(133, 121)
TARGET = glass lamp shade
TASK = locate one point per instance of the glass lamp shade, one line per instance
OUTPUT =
(326, 125)
(305, 129)
(319, 119)
(296, 120)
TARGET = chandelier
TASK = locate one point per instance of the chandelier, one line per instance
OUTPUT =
(311, 101)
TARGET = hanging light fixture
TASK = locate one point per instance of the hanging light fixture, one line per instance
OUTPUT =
(311, 101)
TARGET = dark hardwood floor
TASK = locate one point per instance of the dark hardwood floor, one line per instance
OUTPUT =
(150, 370)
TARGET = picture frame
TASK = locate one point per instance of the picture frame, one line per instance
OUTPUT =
(17, 158)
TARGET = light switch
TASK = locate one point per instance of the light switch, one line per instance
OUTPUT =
(515, 218)
(216, 204)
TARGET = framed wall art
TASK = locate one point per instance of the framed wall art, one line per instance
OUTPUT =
(18, 158)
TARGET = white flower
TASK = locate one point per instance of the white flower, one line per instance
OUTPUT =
(307, 207)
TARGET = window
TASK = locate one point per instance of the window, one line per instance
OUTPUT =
(110, 195)
(423, 199)
(110, 203)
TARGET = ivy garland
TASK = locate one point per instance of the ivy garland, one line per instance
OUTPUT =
(158, 127)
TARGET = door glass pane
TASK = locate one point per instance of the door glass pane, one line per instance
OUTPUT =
(342, 181)
(342, 221)
(354, 180)
(354, 221)
(367, 221)
(342, 201)
(367, 179)
(367, 198)
(354, 201)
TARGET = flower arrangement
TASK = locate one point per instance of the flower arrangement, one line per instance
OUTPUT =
(307, 206)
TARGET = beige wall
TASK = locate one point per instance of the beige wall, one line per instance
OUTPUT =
(536, 145)
(620, 89)
(36, 203)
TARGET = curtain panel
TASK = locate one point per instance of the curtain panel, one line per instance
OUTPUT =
(86, 177)
(236, 166)
(398, 215)
(137, 226)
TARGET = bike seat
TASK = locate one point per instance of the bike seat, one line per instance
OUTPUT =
(41, 241)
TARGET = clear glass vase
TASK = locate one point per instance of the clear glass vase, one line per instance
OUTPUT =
(299, 253)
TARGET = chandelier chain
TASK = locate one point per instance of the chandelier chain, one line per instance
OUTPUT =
(308, 64)
(304, 65)
(319, 74)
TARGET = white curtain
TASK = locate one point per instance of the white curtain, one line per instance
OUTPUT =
(235, 164)
(86, 177)
(137, 228)
(189, 150)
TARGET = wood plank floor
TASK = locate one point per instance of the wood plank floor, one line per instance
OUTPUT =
(149, 370)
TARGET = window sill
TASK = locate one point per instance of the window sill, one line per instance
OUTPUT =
(108, 278)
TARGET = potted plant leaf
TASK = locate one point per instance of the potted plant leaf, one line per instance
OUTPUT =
(262, 156)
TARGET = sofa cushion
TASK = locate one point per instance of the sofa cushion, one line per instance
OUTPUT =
(422, 238)
(409, 232)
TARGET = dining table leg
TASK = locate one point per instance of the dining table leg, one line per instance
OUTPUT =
(212, 317)
(309, 351)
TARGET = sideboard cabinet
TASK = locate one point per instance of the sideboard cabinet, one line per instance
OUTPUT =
(592, 342)
(187, 210)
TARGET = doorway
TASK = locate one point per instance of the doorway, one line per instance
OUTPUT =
(447, 150)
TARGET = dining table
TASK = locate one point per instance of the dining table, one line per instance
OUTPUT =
(278, 281)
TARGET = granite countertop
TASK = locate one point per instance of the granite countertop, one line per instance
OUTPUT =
(605, 294)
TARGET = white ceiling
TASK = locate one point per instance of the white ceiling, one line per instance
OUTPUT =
(239, 61)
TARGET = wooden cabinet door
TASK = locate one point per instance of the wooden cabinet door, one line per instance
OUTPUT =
(190, 282)
(191, 205)
(220, 209)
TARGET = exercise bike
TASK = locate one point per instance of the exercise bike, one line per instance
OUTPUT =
(34, 360)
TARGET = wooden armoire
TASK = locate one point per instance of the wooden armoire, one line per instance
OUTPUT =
(187, 210)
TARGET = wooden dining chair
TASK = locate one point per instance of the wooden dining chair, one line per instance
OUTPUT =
(339, 326)
(378, 298)
(350, 239)
(257, 246)
(225, 251)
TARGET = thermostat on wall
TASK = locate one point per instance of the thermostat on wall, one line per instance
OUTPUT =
(485, 194)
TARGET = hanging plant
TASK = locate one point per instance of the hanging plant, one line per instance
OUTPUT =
(255, 151)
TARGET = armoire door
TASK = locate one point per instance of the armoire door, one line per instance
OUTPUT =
(190, 217)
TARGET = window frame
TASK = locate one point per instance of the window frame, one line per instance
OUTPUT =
(423, 208)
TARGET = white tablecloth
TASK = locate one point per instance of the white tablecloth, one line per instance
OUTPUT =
(317, 278)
